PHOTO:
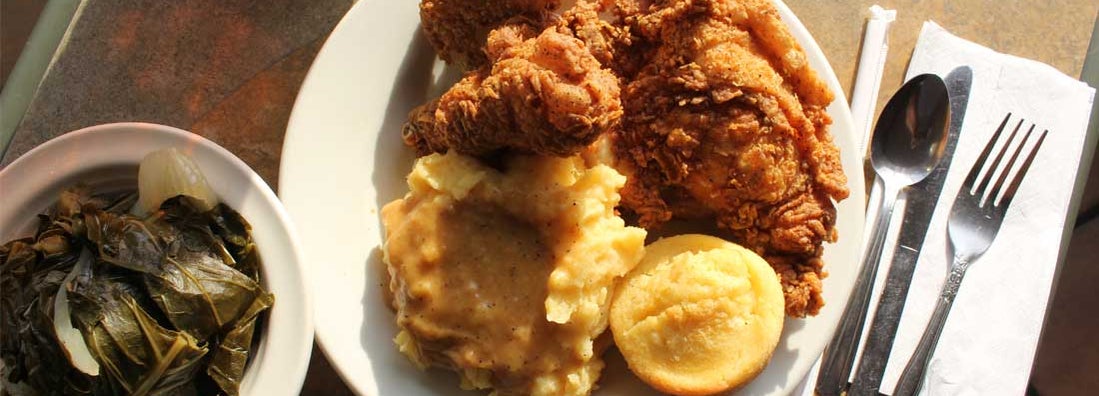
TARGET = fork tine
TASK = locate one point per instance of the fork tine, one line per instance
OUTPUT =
(995, 188)
(978, 165)
(1010, 192)
(987, 177)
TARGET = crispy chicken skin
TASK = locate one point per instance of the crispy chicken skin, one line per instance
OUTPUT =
(598, 23)
(726, 120)
(458, 28)
(542, 93)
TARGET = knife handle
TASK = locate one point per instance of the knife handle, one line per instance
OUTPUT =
(839, 356)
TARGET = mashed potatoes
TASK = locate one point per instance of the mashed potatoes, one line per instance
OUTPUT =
(506, 277)
(699, 315)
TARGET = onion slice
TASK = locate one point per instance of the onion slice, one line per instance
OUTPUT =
(166, 173)
(72, 341)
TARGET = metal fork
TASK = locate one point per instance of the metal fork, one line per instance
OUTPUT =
(974, 221)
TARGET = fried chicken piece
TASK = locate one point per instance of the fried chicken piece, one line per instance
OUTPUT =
(599, 24)
(543, 93)
(727, 121)
(458, 28)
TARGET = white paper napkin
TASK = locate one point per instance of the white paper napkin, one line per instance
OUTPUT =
(990, 338)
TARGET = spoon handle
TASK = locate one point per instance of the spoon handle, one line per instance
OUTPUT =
(839, 356)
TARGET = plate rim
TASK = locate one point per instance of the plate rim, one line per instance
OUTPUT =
(839, 111)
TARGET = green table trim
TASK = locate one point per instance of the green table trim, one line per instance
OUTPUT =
(45, 41)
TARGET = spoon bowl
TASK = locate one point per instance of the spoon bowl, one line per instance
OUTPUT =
(909, 142)
(910, 136)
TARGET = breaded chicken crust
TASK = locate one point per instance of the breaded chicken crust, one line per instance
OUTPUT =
(543, 93)
(726, 120)
(458, 28)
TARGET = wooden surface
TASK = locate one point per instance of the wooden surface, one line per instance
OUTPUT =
(230, 70)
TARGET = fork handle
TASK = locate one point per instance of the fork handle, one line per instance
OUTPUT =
(912, 377)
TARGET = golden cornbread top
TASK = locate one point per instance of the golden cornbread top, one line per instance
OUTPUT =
(698, 315)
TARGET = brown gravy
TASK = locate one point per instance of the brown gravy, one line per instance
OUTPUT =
(479, 285)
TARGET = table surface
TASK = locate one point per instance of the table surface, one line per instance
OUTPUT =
(230, 71)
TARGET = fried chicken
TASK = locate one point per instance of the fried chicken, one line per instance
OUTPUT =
(721, 116)
(726, 120)
(543, 92)
(608, 39)
(458, 28)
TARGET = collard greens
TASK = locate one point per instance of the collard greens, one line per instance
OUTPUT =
(168, 304)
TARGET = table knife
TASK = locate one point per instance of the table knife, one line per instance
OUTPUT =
(921, 200)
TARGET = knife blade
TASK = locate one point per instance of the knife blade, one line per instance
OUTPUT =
(921, 200)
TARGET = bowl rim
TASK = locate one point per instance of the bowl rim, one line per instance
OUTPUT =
(283, 360)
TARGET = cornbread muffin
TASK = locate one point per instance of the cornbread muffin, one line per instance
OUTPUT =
(506, 276)
(699, 315)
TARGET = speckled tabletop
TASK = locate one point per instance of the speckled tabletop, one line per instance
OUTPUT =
(230, 70)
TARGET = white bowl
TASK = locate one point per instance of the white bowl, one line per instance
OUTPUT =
(107, 156)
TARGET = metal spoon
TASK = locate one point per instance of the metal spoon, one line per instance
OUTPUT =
(908, 143)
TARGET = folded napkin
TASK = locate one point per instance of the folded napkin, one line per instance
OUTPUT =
(991, 336)
(989, 341)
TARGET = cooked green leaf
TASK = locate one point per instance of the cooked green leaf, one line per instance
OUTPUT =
(197, 276)
(31, 278)
(124, 241)
(231, 356)
(236, 233)
(150, 298)
(138, 356)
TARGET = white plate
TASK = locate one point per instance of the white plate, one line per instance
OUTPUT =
(107, 156)
(343, 159)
